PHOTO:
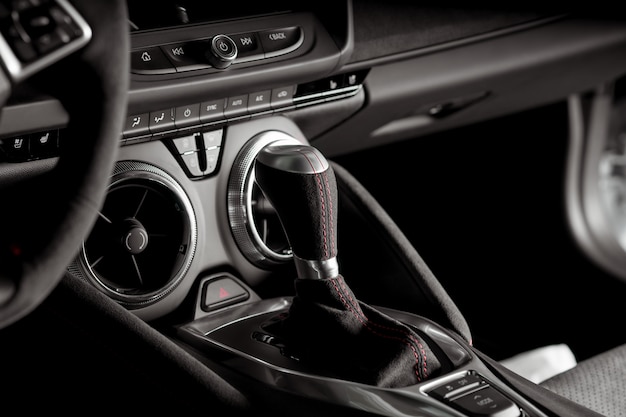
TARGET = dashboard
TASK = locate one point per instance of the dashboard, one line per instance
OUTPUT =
(207, 79)
(448, 114)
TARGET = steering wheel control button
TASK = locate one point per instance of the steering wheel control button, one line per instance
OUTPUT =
(487, 402)
(211, 111)
(187, 115)
(222, 52)
(36, 34)
(222, 292)
(150, 61)
(137, 125)
(280, 41)
(161, 121)
(282, 97)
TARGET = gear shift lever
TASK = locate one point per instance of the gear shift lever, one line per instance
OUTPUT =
(301, 186)
(326, 324)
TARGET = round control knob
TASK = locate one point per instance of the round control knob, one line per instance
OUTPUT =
(222, 51)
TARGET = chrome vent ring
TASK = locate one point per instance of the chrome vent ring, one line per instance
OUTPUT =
(145, 238)
(254, 223)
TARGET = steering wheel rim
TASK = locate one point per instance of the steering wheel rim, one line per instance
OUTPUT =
(44, 219)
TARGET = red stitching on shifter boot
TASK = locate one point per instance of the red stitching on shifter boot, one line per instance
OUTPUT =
(405, 333)
(358, 313)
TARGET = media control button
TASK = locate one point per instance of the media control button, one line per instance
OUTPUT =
(280, 41)
(222, 52)
(186, 56)
(248, 45)
(150, 61)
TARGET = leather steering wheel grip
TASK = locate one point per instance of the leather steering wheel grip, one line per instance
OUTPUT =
(44, 219)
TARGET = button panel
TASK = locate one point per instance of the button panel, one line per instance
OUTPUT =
(203, 121)
(199, 152)
(32, 146)
(221, 110)
(474, 396)
(195, 54)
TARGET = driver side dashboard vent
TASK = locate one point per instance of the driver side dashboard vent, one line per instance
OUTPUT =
(144, 240)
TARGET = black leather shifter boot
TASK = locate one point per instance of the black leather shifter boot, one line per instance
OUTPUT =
(326, 326)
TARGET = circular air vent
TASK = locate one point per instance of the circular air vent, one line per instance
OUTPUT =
(253, 221)
(144, 240)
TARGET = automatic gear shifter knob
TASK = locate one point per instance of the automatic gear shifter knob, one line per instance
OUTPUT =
(360, 343)
(300, 184)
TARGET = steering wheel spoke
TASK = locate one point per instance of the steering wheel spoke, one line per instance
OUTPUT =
(37, 34)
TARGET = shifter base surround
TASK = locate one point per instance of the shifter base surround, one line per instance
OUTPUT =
(239, 336)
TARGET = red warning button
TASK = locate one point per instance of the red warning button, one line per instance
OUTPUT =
(222, 292)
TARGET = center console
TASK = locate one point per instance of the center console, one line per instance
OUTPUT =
(325, 345)
(465, 387)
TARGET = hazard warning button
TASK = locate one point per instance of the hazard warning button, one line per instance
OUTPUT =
(221, 292)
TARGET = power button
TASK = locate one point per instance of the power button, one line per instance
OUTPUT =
(223, 51)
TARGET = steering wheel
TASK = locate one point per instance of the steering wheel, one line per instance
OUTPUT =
(44, 217)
